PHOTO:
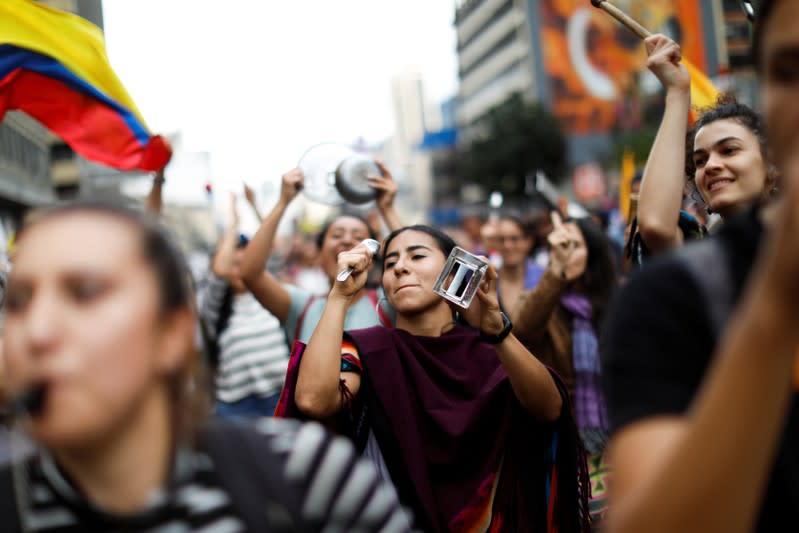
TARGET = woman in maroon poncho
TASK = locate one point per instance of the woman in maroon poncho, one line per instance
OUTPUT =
(472, 430)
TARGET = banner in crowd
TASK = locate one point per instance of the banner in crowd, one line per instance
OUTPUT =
(596, 66)
(54, 67)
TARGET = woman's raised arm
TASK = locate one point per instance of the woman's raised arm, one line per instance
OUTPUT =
(318, 394)
(265, 287)
(529, 378)
(663, 184)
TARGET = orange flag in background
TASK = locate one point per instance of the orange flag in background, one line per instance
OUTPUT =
(627, 172)
(703, 92)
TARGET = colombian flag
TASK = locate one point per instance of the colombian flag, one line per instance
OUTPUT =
(54, 67)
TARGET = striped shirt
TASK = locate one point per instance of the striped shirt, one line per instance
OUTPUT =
(253, 354)
(339, 492)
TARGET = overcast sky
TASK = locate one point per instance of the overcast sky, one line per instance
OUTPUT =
(256, 82)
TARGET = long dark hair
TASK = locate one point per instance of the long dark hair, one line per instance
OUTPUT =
(599, 279)
(444, 241)
(222, 321)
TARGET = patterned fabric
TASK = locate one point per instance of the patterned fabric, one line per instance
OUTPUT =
(598, 473)
(253, 353)
(479, 517)
(349, 348)
(350, 361)
(589, 401)
(350, 364)
(336, 491)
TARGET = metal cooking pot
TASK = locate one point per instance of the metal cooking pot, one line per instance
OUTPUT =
(351, 179)
(335, 174)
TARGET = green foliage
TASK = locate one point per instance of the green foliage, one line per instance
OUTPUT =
(517, 138)
(639, 141)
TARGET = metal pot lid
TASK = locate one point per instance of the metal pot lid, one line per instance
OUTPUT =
(319, 164)
(351, 179)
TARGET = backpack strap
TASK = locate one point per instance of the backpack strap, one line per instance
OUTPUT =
(371, 294)
(301, 317)
(382, 315)
(715, 284)
(252, 473)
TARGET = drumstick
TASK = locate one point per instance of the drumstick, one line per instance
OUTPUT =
(622, 17)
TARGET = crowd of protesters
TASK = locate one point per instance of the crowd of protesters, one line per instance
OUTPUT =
(588, 386)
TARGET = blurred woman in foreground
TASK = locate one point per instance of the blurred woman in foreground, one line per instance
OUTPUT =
(99, 343)
(700, 351)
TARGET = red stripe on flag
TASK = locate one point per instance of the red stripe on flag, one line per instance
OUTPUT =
(90, 127)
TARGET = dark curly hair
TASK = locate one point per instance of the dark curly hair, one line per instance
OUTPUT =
(599, 278)
(727, 107)
(444, 241)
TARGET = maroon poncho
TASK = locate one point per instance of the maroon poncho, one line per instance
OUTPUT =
(447, 423)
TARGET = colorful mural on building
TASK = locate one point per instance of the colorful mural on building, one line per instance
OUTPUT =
(596, 66)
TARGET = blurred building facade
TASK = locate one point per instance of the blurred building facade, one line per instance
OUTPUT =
(411, 167)
(448, 194)
(37, 168)
(421, 152)
(25, 173)
(736, 68)
(34, 164)
(68, 169)
(495, 55)
(190, 202)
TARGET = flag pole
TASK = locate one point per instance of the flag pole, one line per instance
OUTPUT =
(622, 17)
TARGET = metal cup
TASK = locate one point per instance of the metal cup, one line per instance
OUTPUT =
(461, 277)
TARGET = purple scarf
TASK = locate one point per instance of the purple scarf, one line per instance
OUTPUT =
(446, 418)
(589, 401)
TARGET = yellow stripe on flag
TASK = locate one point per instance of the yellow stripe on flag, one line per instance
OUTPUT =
(627, 172)
(703, 92)
(69, 39)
